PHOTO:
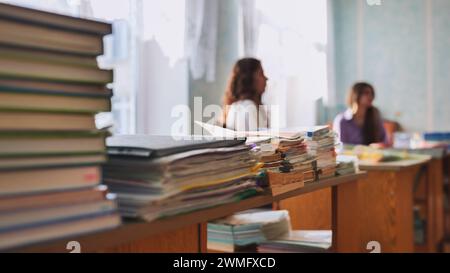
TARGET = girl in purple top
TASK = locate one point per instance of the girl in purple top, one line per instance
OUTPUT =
(362, 122)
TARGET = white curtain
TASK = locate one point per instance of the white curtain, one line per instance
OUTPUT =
(250, 21)
(290, 38)
(201, 37)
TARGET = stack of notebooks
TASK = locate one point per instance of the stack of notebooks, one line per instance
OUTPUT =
(289, 166)
(297, 158)
(346, 164)
(50, 149)
(319, 241)
(321, 145)
(437, 139)
(243, 231)
(160, 176)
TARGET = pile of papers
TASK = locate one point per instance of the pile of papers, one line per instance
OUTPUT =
(367, 154)
(299, 242)
(241, 231)
(170, 178)
(346, 164)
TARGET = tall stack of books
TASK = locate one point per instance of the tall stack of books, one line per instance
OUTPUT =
(297, 158)
(50, 150)
(289, 166)
(160, 176)
(321, 145)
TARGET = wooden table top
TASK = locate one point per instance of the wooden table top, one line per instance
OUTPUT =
(394, 165)
(132, 231)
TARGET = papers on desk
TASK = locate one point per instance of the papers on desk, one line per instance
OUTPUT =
(292, 156)
(299, 242)
(346, 164)
(240, 231)
(266, 231)
(384, 159)
(152, 188)
(217, 131)
(369, 154)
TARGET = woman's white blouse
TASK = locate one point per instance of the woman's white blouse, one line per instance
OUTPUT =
(244, 115)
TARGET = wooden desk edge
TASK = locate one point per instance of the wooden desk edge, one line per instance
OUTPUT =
(129, 232)
(393, 167)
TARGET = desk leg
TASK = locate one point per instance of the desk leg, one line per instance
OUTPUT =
(345, 224)
(203, 237)
(436, 204)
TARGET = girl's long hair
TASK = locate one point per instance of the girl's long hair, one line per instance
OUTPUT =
(371, 127)
(241, 85)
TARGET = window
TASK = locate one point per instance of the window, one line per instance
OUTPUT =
(292, 44)
(136, 24)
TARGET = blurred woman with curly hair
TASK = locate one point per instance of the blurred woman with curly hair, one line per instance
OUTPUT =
(243, 109)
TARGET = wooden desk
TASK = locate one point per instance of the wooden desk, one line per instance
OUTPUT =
(386, 204)
(429, 196)
(187, 232)
(382, 206)
(446, 245)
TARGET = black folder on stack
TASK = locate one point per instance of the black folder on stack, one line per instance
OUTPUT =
(155, 146)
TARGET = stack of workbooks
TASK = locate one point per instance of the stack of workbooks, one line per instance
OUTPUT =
(437, 139)
(290, 166)
(297, 158)
(269, 155)
(346, 164)
(50, 149)
(311, 241)
(243, 231)
(160, 176)
(321, 145)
